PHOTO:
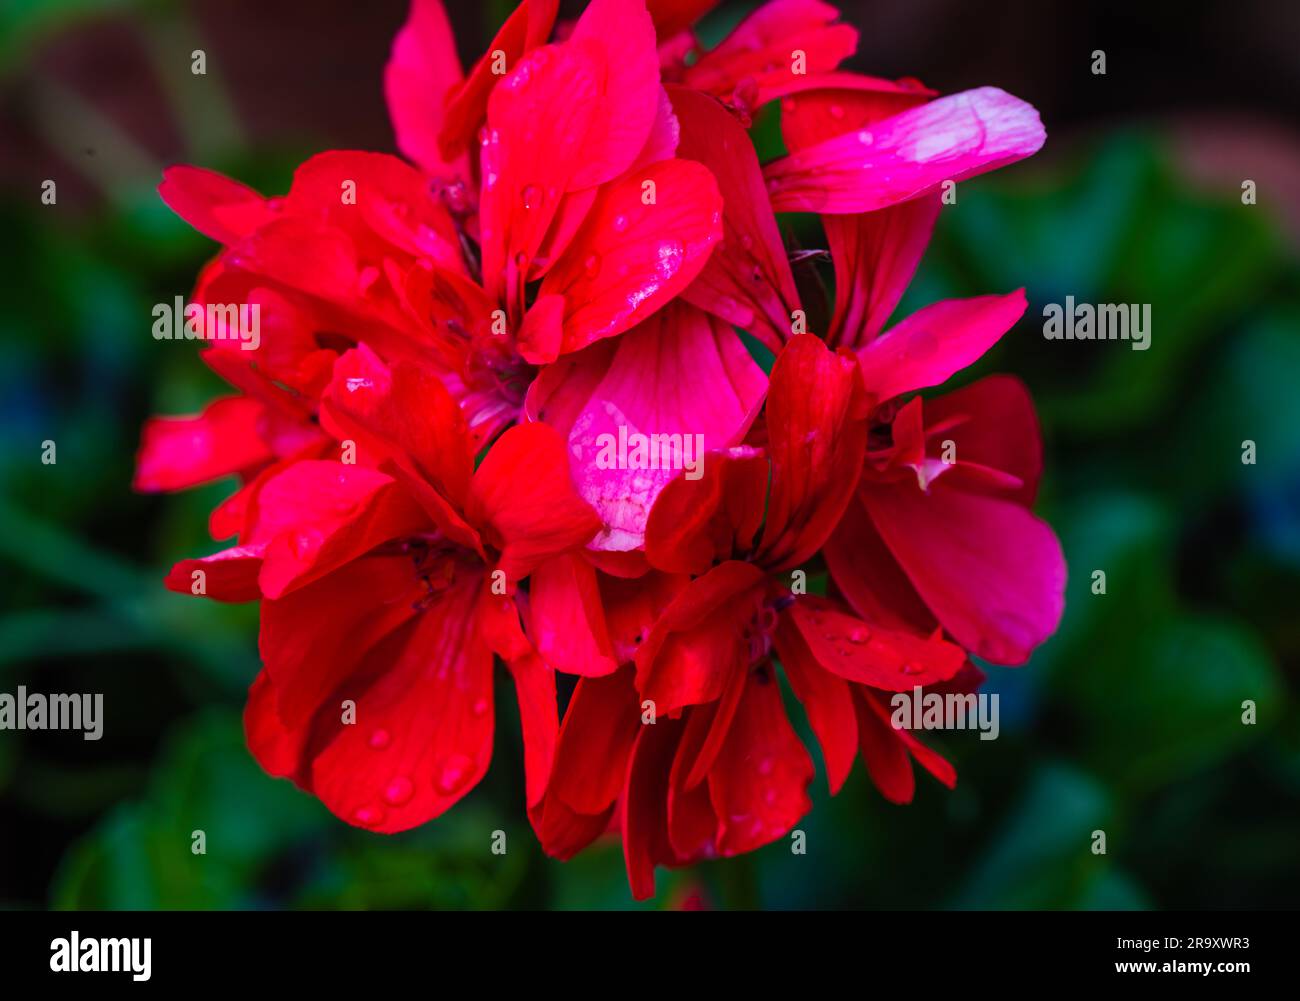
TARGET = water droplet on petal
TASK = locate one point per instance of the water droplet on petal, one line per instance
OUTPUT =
(530, 196)
(455, 773)
(368, 816)
(911, 668)
(866, 138)
(859, 635)
(836, 112)
(380, 739)
(480, 707)
(399, 790)
(306, 543)
(592, 265)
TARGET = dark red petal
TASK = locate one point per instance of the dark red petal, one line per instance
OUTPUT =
(600, 726)
(644, 813)
(868, 576)
(826, 105)
(538, 718)
(699, 640)
(931, 761)
(697, 522)
(633, 605)
(759, 783)
(869, 654)
(884, 753)
(672, 16)
(816, 439)
(827, 700)
(748, 281)
(692, 824)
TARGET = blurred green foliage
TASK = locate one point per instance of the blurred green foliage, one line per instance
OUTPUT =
(1128, 721)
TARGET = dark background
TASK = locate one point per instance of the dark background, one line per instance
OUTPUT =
(1128, 721)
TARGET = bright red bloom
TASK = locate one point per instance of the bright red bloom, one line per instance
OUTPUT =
(705, 664)
(565, 261)
(377, 585)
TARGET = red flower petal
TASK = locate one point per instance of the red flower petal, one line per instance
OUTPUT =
(524, 502)
(992, 573)
(537, 119)
(699, 640)
(747, 281)
(528, 27)
(672, 16)
(567, 618)
(317, 636)
(827, 700)
(816, 439)
(893, 660)
(423, 732)
(630, 258)
(623, 34)
(230, 575)
(869, 578)
(697, 522)
(994, 426)
(885, 749)
(759, 785)
(764, 45)
(823, 106)
(421, 70)
(644, 812)
(600, 726)
(403, 415)
(180, 452)
(948, 139)
(682, 374)
(212, 203)
(935, 342)
(318, 515)
(875, 255)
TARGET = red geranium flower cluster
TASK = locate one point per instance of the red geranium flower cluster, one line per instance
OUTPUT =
(500, 406)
